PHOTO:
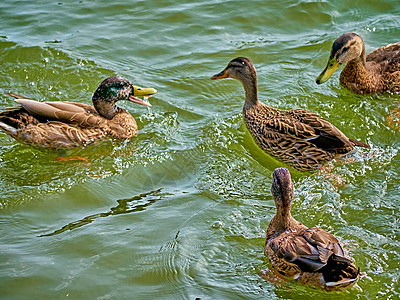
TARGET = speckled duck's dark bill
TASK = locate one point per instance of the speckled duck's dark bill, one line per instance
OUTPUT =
(220, 75)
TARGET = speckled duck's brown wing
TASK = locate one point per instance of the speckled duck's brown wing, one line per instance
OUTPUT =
(309, 249)
(298, 138)
(308, 254)
(326, 136)
(388, 58)
(298, 124)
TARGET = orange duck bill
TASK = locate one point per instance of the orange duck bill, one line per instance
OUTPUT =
(223, 74)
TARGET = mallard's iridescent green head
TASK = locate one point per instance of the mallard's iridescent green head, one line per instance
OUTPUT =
(347, 47)
(240, 68)
(114, 89)
(282, 188)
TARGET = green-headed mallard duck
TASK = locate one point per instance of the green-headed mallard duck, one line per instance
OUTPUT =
(60, 124)
(297, 137)
(311, 256)
(378, 71)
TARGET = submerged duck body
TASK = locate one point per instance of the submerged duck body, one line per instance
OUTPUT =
(379, 71)
(297, 137)
(311, 256)
(63, 124)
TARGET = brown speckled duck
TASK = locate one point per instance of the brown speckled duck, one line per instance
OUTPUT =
(60, 124)
(311, 256)
(297, 137)
(378, 71)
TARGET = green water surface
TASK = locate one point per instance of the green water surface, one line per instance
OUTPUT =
(181, 210)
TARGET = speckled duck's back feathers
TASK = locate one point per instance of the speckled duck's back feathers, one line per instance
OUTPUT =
(388, 56)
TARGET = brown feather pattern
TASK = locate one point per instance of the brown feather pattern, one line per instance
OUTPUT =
(310, 255)
(379, 71)
(297, 137)
(66, 130)
(64, 124)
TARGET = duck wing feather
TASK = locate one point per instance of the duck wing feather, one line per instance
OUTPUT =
(309, 249)
(324, 135)
(67, 112)
(387, 56)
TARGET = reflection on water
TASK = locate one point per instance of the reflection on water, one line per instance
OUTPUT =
(125, 206)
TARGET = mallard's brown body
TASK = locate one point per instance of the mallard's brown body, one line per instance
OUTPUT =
(75, 125)
(59, 125)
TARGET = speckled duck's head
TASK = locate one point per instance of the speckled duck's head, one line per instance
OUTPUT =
(347, 47)
(114, 89)
(240, 68)
(282, 189)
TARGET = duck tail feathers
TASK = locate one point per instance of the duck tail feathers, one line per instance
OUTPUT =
(8, 129)
(359, 144)
(342, 282)
(16, 96)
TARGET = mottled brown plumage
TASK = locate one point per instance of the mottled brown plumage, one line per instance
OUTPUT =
(58, 124)
(297, 137)
(378, 71)
(311, 256)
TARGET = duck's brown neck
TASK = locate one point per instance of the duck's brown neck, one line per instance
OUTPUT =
(284, 218)
(360, 76)
(281, 222)
(105, 109)
(359, 64)
(250, 88)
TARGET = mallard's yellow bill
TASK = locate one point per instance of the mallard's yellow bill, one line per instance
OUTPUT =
(145, 92)
(330, 68)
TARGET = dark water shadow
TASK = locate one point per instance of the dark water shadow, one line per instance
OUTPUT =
(124, 206)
